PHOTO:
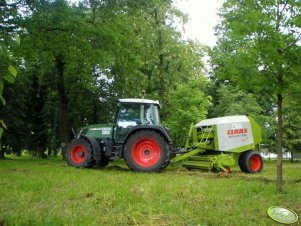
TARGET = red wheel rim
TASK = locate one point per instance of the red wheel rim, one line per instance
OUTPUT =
(78, 154)
(255, 163)
(146, 152)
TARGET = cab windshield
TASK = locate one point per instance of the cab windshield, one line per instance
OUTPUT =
(134, 114)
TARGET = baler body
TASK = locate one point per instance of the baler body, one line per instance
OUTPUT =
(227, 134)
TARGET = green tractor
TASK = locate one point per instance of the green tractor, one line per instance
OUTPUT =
(138, 137)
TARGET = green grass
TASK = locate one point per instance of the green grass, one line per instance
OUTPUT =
(47, 192)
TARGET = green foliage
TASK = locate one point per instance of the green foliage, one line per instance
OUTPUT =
(292, 126)
(16, 114)
(75, 61)
(8, 41)
(233, 101)
(230, 100)
(187, 104)
(8, 72)
(254, 34)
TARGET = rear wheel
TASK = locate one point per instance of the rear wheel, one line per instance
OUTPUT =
(79, 153)
(146, 151)
(250, 162)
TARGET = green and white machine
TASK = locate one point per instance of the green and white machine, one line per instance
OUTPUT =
(137, 136)
(220, 143)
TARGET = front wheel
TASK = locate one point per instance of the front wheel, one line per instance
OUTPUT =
(250, 162)
(146, 151)
(79, 153)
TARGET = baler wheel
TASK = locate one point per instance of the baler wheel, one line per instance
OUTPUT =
(146, 151)
(79, 153)
(250, 162)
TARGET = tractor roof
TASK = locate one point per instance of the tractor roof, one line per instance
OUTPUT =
(141, 101)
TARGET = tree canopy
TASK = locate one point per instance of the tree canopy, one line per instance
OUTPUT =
(76, 60)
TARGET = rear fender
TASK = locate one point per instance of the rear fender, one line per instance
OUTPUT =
(158, 129)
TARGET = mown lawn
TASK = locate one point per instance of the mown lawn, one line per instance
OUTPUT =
(47, 192)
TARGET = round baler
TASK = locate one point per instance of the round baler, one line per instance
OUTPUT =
(220, 143)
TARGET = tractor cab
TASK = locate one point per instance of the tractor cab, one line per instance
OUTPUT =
(132, 113)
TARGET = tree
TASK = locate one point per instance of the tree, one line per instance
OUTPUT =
(187, 104)
(292, 127)
(259, 48)
(16, 113)
(228, 99)
(74, 50)
(8, 72)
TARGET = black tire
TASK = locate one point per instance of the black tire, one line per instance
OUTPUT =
(79, 153)
(146, 151)
(250, 162)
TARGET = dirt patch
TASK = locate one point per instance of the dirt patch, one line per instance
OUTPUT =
(82, 196)
(261, 179)
(296, 181)
(42, 163)
(19, 170)
(223, 175)
(89, 194)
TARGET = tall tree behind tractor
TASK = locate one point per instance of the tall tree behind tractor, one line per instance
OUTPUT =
(137, 136)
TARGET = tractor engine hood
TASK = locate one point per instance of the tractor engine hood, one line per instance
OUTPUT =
(98, 131)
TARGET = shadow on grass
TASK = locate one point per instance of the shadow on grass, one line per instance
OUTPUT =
(112, 168)
(29, 158)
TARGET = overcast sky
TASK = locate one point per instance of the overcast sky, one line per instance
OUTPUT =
(203, 19)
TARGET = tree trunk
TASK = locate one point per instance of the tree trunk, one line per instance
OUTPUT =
(18, 153)
(1, 151)
(49, 151)
(95, 112)
(63, 102)
(40, 152)
(279, 144)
